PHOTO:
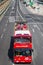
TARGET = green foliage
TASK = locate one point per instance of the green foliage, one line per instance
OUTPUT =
(1, 0)
(31, 3)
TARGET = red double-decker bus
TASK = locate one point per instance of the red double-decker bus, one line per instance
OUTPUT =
(22, 47)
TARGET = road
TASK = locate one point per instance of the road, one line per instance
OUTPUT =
(6, 31)
(19, 12)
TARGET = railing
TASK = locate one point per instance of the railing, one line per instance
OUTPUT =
(3, 6)
(1, 3)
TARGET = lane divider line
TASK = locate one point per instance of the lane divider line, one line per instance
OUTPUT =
(6, 24)
(13, 64)
(33, 30)
(41, 33)
(4, 30)
(1, 36)
(12, 8)
(36, 26)
(21, 16)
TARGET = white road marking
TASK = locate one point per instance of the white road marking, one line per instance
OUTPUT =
(13, 0)
(6, 24)
(1, 36)
(7, 21)
(11, 19)
(33, 30)
(41, 33)
(11, 12)
(38, 29)
(35, 23)
(20, 14)
(12, 8)
(13, 64)
(4, 30)
(36, 26)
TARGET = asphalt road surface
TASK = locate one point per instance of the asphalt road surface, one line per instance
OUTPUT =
(35, 23)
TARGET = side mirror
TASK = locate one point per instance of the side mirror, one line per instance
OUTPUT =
(32, 50)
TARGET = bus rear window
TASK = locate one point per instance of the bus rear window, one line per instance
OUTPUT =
(20, 39)
(23, 52)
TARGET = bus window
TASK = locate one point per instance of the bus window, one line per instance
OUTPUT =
(23, 52)
(22, 39)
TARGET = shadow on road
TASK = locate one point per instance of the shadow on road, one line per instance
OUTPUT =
(10, 50)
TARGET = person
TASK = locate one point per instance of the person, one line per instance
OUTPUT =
(24, 26)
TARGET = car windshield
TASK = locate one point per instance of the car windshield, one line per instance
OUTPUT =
(22, 39)
(23, 52)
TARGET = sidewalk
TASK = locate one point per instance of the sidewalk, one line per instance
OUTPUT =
(3, 8)
(38, 9)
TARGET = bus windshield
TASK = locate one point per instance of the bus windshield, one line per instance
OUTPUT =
(21, 39)
(23, 52)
